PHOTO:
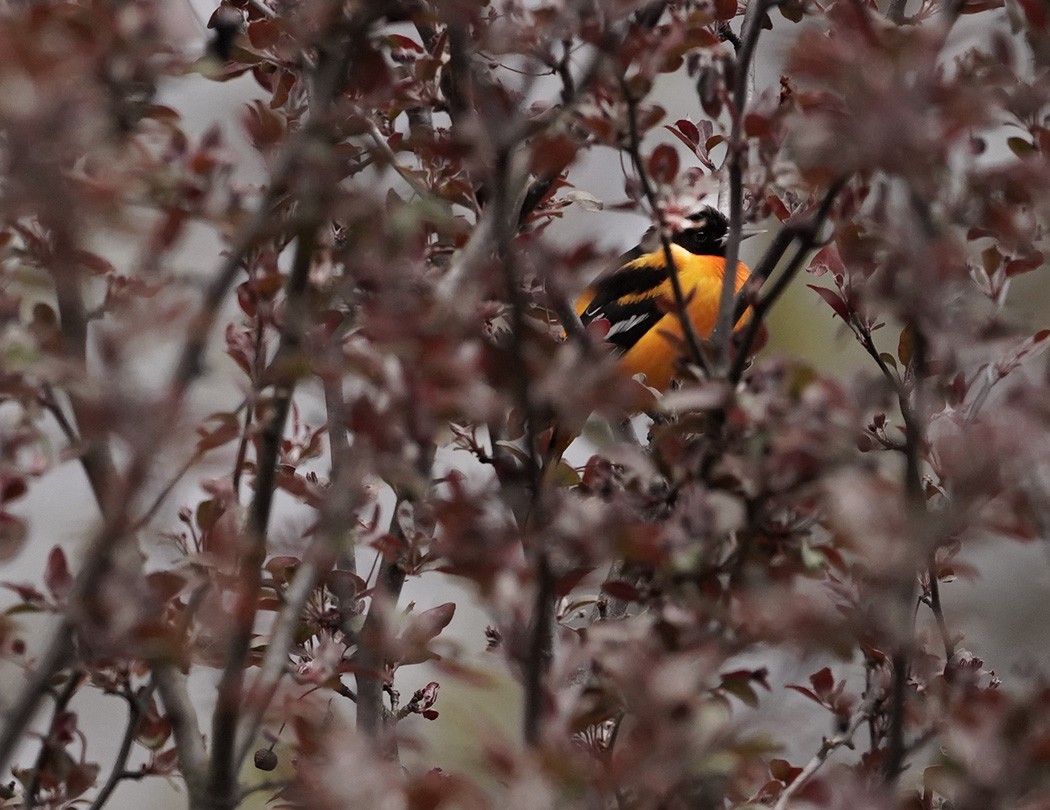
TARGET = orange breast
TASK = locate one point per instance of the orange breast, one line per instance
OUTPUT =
(656, 354)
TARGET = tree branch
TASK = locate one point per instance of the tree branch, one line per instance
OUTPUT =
(808, 234)
(95, 456)
(895, 11)
(185, 728)
(48, 742)
(222, 770)
(696, 352)
(282, 636)
(934, 601)
(828, 746)
(737, 147)
(117, 773)
(22, 709)
(904, 591)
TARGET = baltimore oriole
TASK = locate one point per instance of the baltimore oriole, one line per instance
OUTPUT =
(638, 301)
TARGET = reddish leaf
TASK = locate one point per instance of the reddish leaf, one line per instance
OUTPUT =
(57, 577)
(802, 690)
(282, 88)
(570, 580)
(1020, 147)
(282, 568)
(757, 126)
(823, 682)
(725, 9)
(12, 487)
(80, 778)
(227, 427)
(688, 129)
(165, 585)
(26, 592)
(208, 513)
(551, 154)
(1036, 12)
(782, 771)
(742, 690)
(153, 730)
(663, 164)
(263, 34)
(1026, 264)
(833, 299)
(420, 630)
(264, 126)
(906, 345)
(345, 584)
(624, 591)
(683, 138)
(429, 624)
(793, 10)
(404, 43)
(1034, 345)
(827, 260)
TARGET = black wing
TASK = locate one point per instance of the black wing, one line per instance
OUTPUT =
(627, 299)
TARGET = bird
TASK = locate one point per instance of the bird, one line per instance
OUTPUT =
(637, 300)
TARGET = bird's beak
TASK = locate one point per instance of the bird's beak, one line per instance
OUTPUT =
(747, 233)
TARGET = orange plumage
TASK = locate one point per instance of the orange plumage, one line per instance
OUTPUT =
(638, 301)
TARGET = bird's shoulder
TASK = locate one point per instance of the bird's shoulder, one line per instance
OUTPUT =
(627, 297)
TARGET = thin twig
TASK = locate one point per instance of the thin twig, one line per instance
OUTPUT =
(185, 728)
(808, 235)
(910, 405)
(22, 709)
(934, 601)
(136, 701)
(95, 455)
(165, 491)
(258, 787)
(540, 649)
(282, 636)
(337, 515)
(257, 368)
(895, 11)
(696, 352)
(335, 55)
(391, 159)
(918, 518)
(373, 718)
(735, 158)
(541, 632)
(827, 746)
(52, 406)
(223, 767)
(47, 744)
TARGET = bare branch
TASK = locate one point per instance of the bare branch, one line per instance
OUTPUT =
(807, 233)
(223, 768)
(47, 744)
(282, 636)
(391, 159)
(22, 709)
(934, 601)
(135, 701)
(95, 455)
(895, 11)
(185, 728)
(736, 157)
(827, 747)
(696, 352)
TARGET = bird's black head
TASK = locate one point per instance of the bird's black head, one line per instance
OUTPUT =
(707, 236)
